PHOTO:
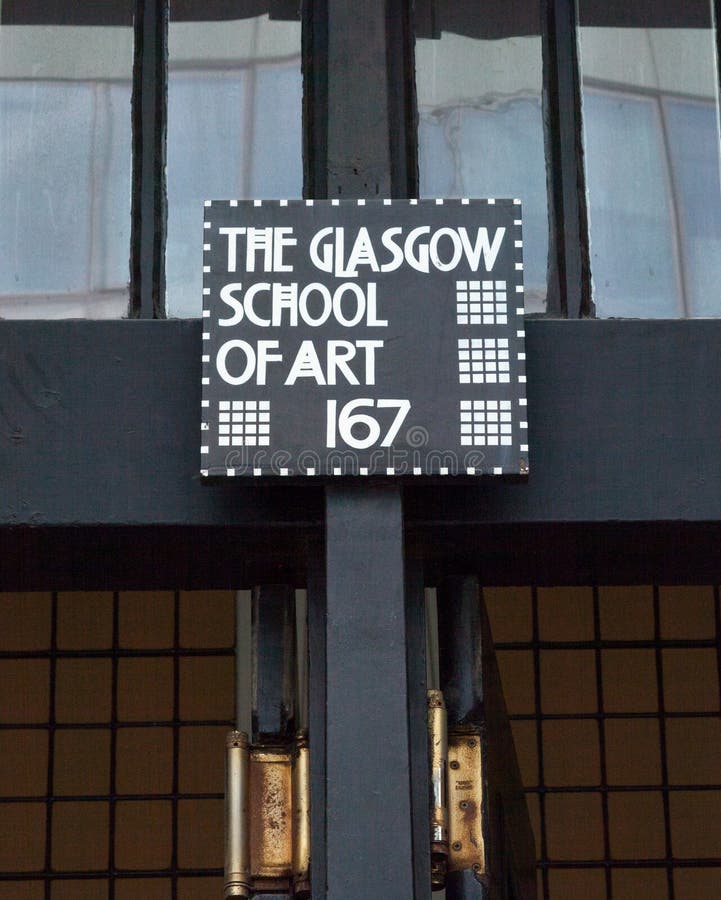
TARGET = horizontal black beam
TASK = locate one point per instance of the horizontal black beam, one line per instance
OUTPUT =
(99, 425)
(146, 557)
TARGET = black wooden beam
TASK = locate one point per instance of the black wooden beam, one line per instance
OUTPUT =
(368, 806)
(99, 425)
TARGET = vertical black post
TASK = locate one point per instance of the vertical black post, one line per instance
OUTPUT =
(570, 276)
(273, 661)
(471, 686)
(369, 823)
(273, 652)
(150, 89)
(317, 680)
(366, 670)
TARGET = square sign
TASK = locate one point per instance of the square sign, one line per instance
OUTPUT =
(362, 338)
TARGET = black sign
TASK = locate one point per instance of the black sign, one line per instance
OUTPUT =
(363, 338)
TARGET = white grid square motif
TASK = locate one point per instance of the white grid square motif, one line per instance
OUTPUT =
(244, 423)
(481, 303)
(486, 423)
(483, 361)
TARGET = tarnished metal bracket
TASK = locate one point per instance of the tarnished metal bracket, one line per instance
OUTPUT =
(267, 817)
(465, 801)
(456, 790)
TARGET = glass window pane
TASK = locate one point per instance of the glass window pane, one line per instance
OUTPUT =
(65, 159)
(650, 113)
(234, 127)
(480, 133)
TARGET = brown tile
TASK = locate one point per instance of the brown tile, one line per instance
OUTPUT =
(574, 826)
(687, 612)
(82, 761)
(83, 690)
(24, 690)
(207, 618)
(143, 834)
(25, 621)
(695, 823)
(524, 738)
(145, 619)
(629, 680)
(200, 888)
(572, 884)
(22, 890)
(693, 747)
(632, 751)
(571, 753)
(516, 671)
(80, 835)
(201, 754)
(207, 687)
(695, 884)
(24, 766)
(568, 681)
(565, 614)
(626, 612)
(635, 884)
(200, 834)
(22, 848)
(509, 609)
(145, 689)
(85, 620)
(144, 760)
(690, 680)
(143, 889)
(87, 889)
(636, 825)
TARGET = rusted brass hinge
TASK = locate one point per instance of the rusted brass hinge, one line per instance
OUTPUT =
(457, 796)
(267, 830)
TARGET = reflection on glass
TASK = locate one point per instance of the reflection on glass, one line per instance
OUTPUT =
(65, 164)
(480, 128)
(650, 117)
(234, 129)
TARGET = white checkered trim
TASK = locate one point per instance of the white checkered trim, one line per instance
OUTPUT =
(244, 423)
(486, 423)
(481, 303)
(483, 361)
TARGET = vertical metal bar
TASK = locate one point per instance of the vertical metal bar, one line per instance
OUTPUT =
(50, 790)
(570, 268)
(149, 117)
(317, 681)
(417, 720)
(472, 689)
(273, 656)
(461, 680)
(237, 833)
(273, 661)
(369, 845)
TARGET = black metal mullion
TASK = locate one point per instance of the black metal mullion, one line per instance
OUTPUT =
(602, 744)
(149, 118)
(570, 276)
(51, 745)
(112, 799)
(174, 864)
(662, 736)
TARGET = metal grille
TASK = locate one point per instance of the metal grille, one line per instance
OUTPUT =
(113, 709)
(615, 699)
